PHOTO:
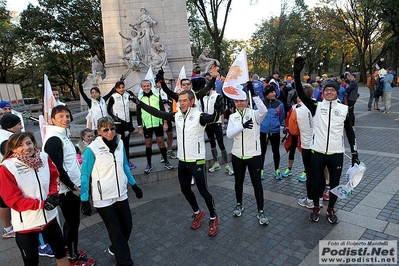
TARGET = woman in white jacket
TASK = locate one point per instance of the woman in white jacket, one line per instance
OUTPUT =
(29, 185)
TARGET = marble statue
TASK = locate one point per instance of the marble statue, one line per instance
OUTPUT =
(144, 25)
(157, 56)
(204, 62)
(97, 70)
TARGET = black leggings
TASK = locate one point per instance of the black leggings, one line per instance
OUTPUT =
(239, 167)
(214, 131)
(118, 220)
(70, 208)
(125, 139)
(293, 146)
(275, 142)
(306, 154)
(196, 169)
(27, 243)
(334, 165)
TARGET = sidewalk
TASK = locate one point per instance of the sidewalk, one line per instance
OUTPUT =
(161, 232)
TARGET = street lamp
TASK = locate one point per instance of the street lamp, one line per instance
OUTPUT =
(320, 68)
(347, 67)
(40, 91)
(382, 62)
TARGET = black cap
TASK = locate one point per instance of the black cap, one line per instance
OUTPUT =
(275, 72)
(332, 84)
(269, 88)
(9, 121)
(390, 68)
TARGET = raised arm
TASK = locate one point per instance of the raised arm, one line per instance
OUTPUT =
(308, 102)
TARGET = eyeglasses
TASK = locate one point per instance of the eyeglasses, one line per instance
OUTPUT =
(185, 84)
(105, 130)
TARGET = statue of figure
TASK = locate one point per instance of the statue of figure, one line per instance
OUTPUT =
(204, 62)
(144, 24)
(97, 70)
(157, 57)
(131, 52)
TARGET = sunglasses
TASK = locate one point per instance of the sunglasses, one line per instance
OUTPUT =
(105, 130)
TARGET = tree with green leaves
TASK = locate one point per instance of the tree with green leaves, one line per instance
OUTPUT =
(12, 47)
(66, 33)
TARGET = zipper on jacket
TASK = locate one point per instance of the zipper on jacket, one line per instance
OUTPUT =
(99, 189)
(116, 175)
(41, 196)
(328, 127)
(183, 137)
(242, 134)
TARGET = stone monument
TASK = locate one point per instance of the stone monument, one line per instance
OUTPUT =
(139, 34)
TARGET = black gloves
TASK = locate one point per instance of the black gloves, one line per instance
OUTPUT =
(250, 88)
(249, 124)
(86, 208)
(79, 77)
(52, 202)
(299, 63)
(133, 97)
(122, 78)
(218, 107)
(159, 76)
(285, 131)
(138, 191)
(355, 158)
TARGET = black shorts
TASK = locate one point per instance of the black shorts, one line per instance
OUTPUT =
(170, 127)
(2, 203)
(149, 131)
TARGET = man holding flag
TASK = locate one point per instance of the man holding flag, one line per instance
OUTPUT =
(244, 129)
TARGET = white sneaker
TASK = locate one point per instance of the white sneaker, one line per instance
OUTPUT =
(229, 170)
(192, 181)
(215, 167)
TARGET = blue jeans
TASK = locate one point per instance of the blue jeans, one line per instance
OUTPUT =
(386, 96)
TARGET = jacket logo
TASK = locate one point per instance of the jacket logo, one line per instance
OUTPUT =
(191, 118)
(324, 111)
(337, 112)
(247, 117)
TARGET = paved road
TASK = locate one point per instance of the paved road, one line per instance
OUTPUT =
(161, 220)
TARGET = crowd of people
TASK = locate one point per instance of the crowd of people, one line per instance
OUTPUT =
(95, 172)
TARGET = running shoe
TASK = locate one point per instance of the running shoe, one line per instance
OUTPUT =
(314, 216)
(287, 172)
(308, 203)
(262, 174)
(148, 169)
(331, 217)
(263, 220)
(171, 154)
(168, 166)
(278, 175)
(192, 181)
(303, 177)
(213, 227)
(162, 159)
(8, 234)
(196, 223)
(326, 194)
(229, 170)
(215, 167)
(132, 165)
(238, 210)
(110, 252)
(46, 251)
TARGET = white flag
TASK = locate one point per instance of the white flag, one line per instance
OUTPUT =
(238, 74)
(48, 100)
(182, 75)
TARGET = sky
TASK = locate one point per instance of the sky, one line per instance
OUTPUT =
(241, 22)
